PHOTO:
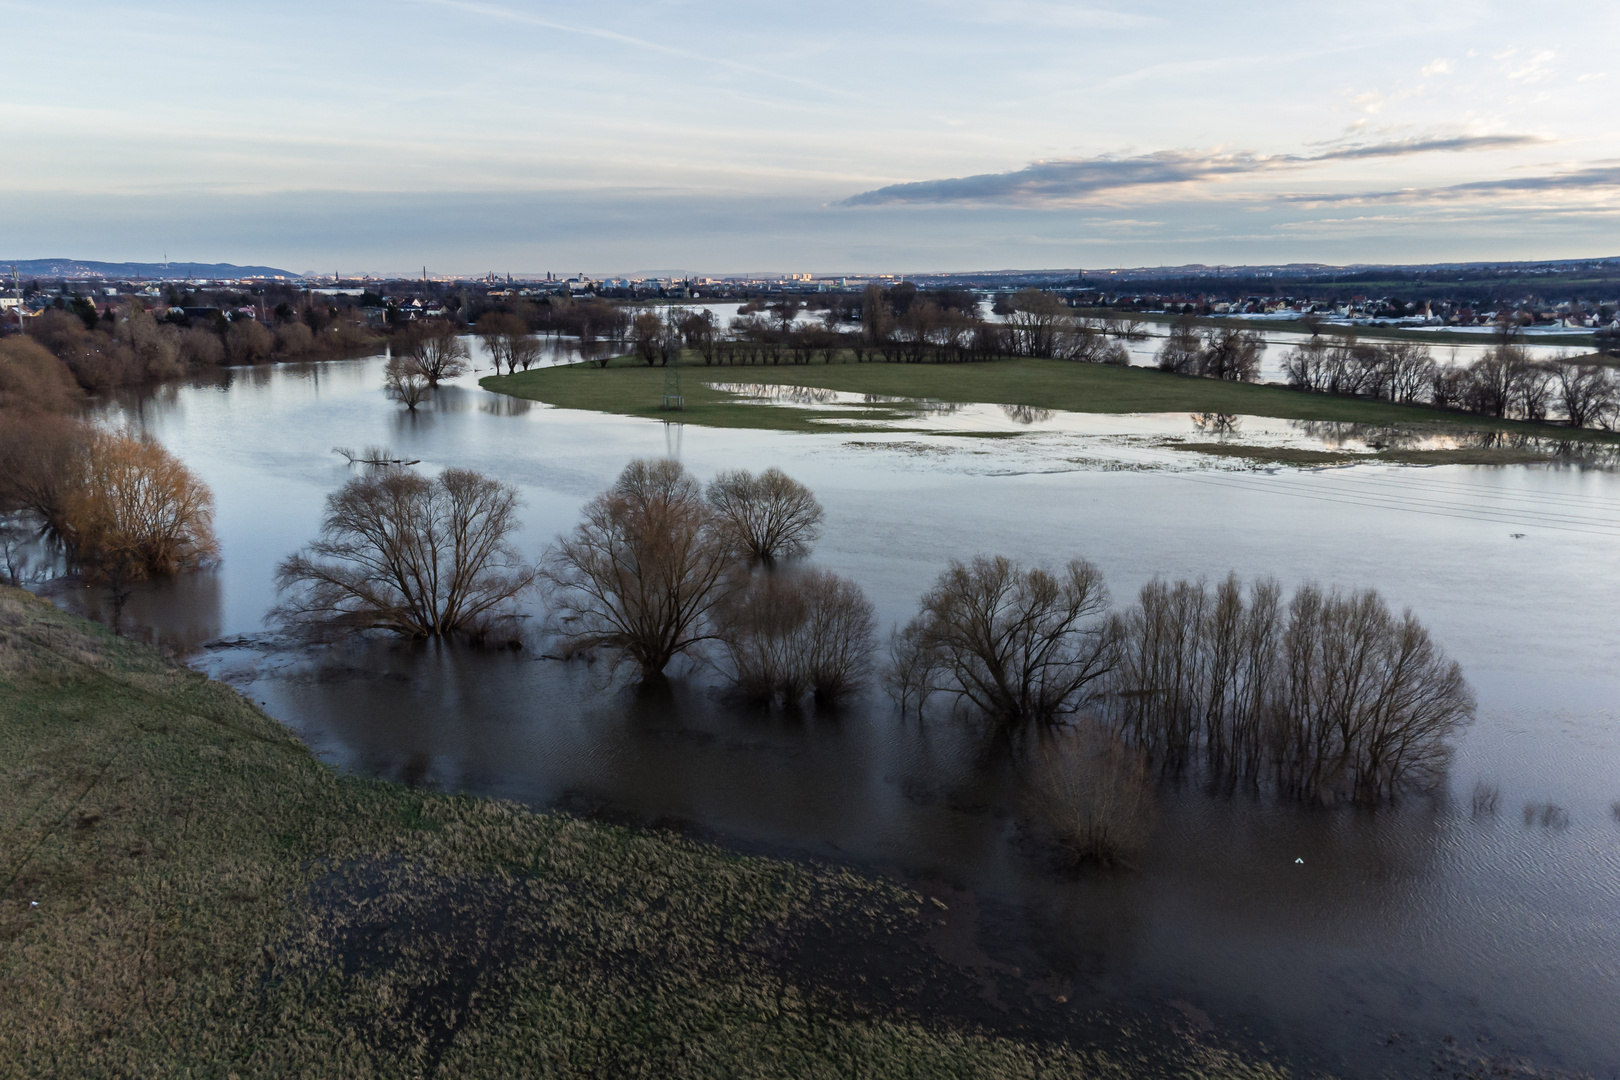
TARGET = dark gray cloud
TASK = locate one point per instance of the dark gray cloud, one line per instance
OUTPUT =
(1595, 178)
(1076, 178)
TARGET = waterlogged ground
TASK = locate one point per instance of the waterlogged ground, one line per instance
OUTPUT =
(1146, 440)
(1429, 931)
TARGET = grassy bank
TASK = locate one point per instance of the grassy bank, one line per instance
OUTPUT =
(186, 891)
(630, 388)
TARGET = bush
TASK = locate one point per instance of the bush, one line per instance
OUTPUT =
(133, 511)
(788, 635)
(32, 380)
(247, 342)
(1094, 795)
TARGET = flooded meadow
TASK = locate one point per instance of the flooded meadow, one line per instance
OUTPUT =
(1482, 920)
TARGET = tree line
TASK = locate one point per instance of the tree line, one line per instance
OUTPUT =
(118, 507)
(1326, 695)
(925, 328)
(105, 349)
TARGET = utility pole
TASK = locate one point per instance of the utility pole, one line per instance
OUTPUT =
(16, 287)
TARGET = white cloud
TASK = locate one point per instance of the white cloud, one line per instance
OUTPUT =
(1439, 66)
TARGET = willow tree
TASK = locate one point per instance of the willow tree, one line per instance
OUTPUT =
(1019, 645)
(640, 576)
(417, 556)
(131, 511)
(766, 517)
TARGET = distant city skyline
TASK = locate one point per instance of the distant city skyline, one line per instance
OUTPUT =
(721, 139)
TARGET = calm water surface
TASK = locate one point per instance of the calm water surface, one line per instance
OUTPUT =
(1401, 928)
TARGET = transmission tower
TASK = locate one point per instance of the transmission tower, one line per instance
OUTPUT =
(674, 400)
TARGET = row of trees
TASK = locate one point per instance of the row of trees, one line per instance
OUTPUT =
(659, 568)
(106, 351)
(1327, 696)
(1036, 324)
(120, 507)
(1504, 383)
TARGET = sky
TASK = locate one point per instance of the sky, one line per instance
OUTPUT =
(722, 138)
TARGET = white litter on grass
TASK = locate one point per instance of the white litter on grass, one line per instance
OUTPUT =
(1299, 862)
(33, 903)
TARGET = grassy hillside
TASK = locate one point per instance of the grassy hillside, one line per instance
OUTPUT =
(186, 892)
(633, 389)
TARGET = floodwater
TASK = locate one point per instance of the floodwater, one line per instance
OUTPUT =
(1402, 933)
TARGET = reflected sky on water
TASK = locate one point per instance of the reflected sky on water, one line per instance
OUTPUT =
(1400, 927)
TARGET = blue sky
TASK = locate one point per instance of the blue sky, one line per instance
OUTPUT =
(719, 137)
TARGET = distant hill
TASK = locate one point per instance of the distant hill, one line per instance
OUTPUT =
(85, 268)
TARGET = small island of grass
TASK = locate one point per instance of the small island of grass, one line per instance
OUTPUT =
(626, 386)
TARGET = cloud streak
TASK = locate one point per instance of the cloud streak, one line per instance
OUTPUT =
(1075, 179)
(1598, 178)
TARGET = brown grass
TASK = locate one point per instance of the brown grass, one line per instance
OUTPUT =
(186, 891)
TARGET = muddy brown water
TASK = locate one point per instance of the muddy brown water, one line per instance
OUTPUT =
(1403, 933)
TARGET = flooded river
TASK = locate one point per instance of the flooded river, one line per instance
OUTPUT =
(1400, 930)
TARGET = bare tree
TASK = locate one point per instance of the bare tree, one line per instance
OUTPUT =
(766, 517)
(641, 574)
(1231, 354)
(495, 330)
(1411, 370)
(507, 339)
(1586, 392)
(404, 381)
(522, 351)
(1334, 697)
(788, 635)
(1367, 700)
(408, 554)
(434, 348)
(1181, 348)
(1094, 794)
(649, 331)
(133, 511)
(38, 452)
(1021, 646)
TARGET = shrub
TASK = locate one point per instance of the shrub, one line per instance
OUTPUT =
(788, 635)
(1094, 795)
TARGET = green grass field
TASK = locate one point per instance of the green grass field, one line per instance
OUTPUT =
(631, 388)
(185, 891)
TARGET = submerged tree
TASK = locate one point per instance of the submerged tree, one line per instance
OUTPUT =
(434, 348)
(131, 512)
(1329, 696)
(1094, 795)
(405, 553)
(787, 635)
(1020, 646)
(641, 574)
(766, 517)
(507, 340)
(404, 382)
